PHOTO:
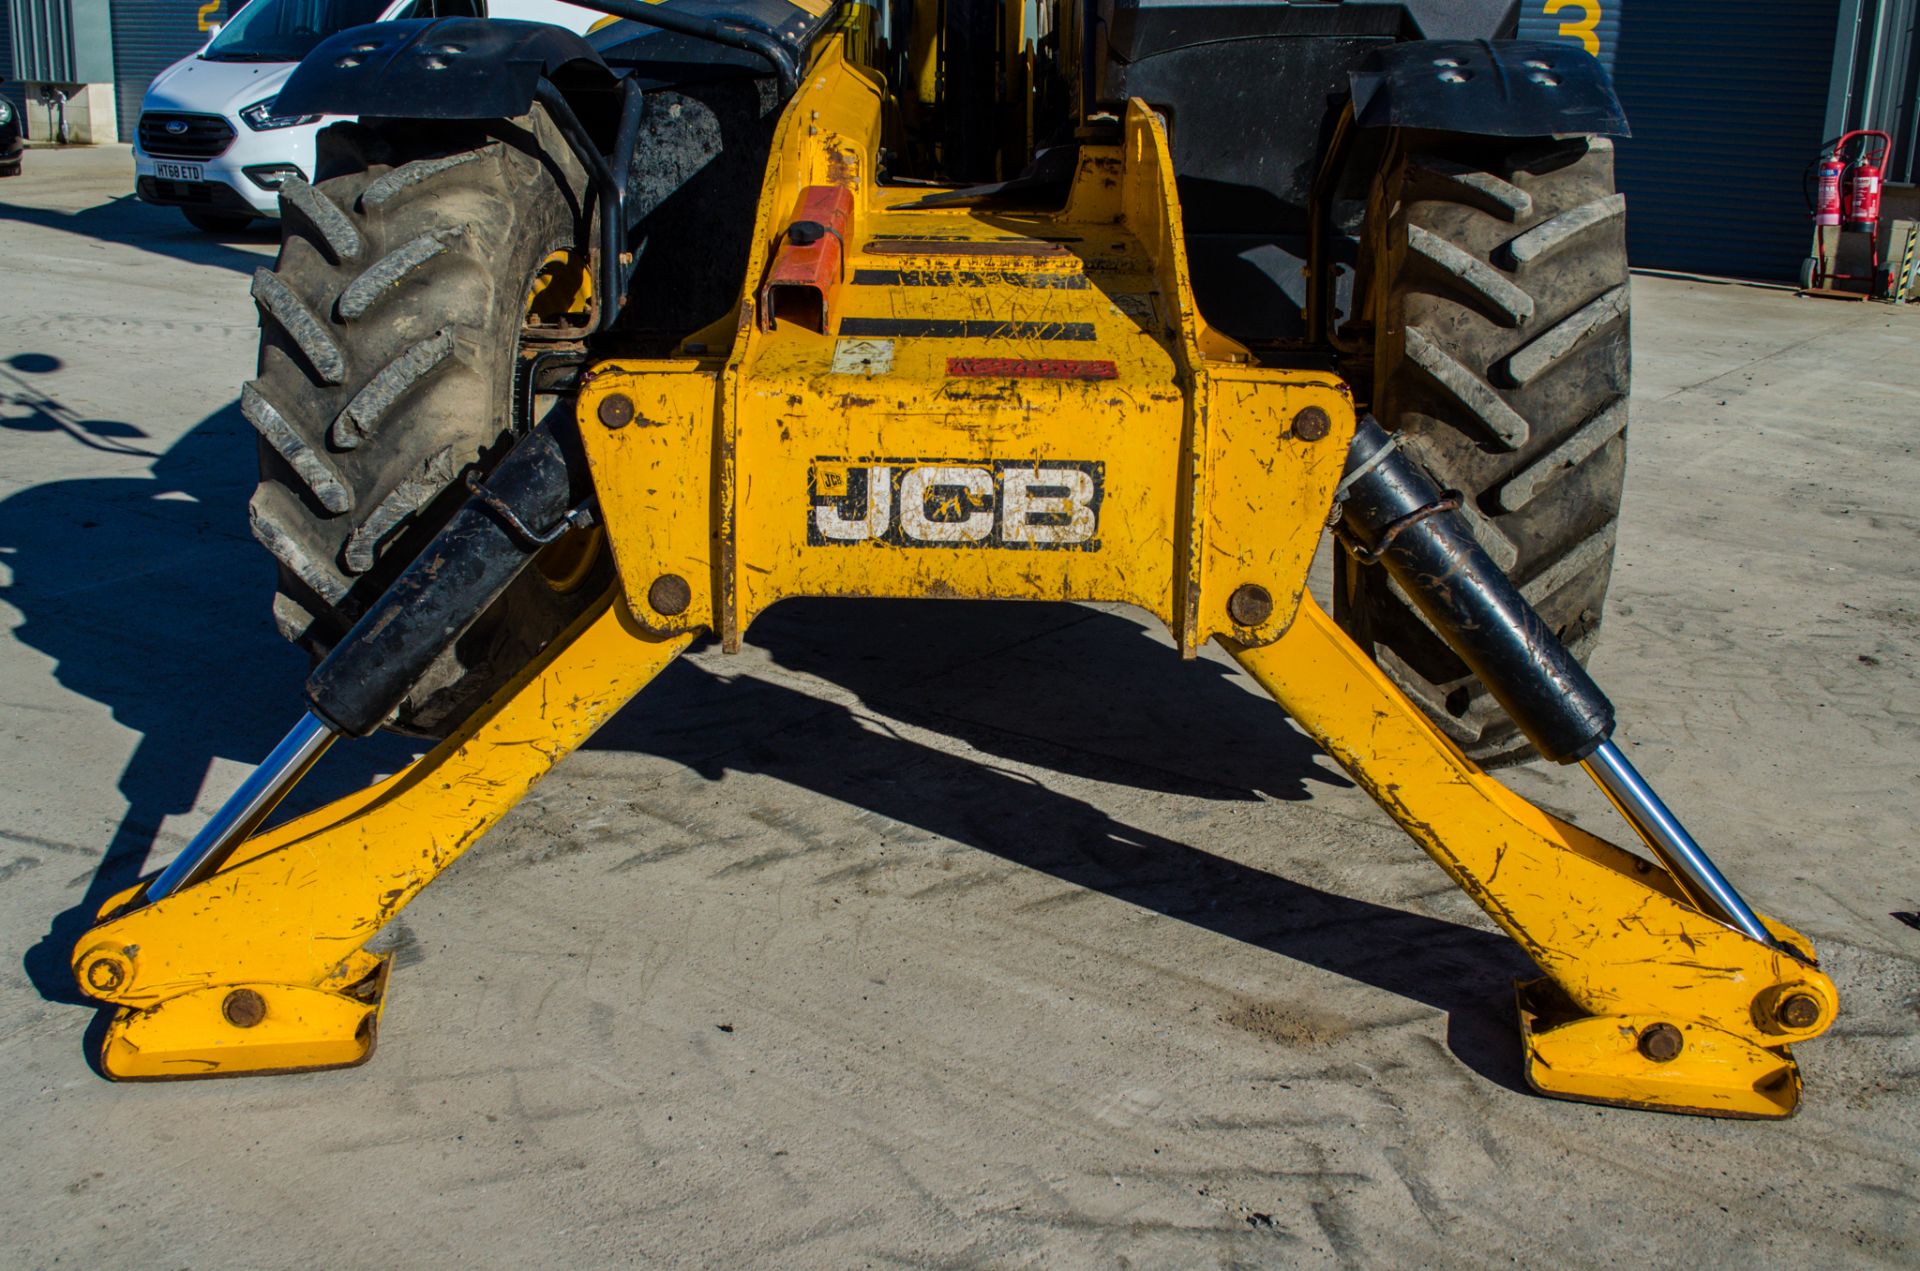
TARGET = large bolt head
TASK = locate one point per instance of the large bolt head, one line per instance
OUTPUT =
(244, 1008)
(1798, 1010)
(1312, 424)
(1662, 1043)
(670, 595)
(616, 410)
(1250, 605)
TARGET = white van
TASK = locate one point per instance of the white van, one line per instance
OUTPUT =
(209, 142)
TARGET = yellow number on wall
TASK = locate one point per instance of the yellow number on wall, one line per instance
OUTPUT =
(206, 14)
(1584, 27)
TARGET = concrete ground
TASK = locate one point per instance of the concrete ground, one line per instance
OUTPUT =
(940, 934)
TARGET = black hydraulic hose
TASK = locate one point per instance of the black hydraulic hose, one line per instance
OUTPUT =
(633, 107)
(732, 34)
(1393, 514)
(1319, 294)
(612, 196)
(467, 567)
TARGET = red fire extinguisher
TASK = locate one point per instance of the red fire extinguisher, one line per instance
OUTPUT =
(1826, 209)
(1860, 195)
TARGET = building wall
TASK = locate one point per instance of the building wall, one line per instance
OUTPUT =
(1876, 79)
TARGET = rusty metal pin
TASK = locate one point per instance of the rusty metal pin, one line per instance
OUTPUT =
(670, 595)
(106, 974)
(1312, 424)
(1798, 1010)
(244, 1008)
(616, 410)
(1250, 605)
(1662, 1043)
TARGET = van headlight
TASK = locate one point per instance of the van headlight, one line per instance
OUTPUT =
(260, 117)
(6, 111)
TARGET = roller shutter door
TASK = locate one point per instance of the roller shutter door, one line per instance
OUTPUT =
(148, 37)
(1727, 102)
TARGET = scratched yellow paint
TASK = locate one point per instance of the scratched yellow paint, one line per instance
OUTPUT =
(1608, 929)
(290, 912)
(1183, 410)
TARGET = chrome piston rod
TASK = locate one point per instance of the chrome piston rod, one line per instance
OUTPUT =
(369, 673)
(1663, 834)
(247, 807)
(1393, 513)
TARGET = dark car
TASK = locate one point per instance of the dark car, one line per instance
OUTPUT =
(11, 146)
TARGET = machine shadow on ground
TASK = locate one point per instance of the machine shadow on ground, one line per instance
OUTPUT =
(150, 596)
(127, 222)
(32, 409)
(148, 592)
(1245, 748)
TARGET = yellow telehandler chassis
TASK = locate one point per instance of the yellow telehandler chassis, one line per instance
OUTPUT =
(951, 402)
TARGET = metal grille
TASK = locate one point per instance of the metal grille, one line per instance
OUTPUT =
(214, 195)
(179, 191)
(184, 136)
(148, 37)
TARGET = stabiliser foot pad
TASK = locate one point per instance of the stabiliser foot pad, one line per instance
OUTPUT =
(245, 1030)
(1645, 1061)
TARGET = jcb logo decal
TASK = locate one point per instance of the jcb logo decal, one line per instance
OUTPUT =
(1031, 504)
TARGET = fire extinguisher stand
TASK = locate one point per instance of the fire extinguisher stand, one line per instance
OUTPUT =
(1847, 200)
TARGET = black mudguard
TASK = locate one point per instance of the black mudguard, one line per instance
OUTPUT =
(1490, 88)
(441, 68)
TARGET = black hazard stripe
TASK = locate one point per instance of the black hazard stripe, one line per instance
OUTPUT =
(963, 329)
(967, 278)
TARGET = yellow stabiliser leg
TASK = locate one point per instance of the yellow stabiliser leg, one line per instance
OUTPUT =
(261, 967)
(1647, 1001)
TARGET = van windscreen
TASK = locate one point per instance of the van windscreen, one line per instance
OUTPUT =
(287, 30)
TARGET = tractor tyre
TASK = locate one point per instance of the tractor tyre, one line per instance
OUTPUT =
(392, 330)
(1501, 299)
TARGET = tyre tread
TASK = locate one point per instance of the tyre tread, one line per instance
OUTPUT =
(336, 231)
(302, 325)
(383, 277)
(1527, 417)
(403, 178)
(321, 477)
(356, 423)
